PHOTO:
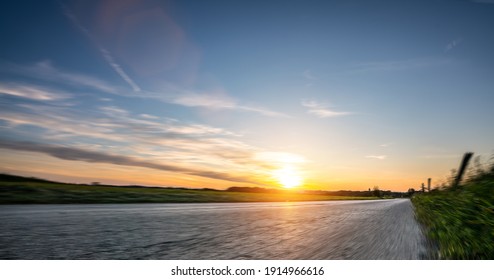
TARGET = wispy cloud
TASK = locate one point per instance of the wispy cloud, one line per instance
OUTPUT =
(453, 44)
(104, 52)
(76, 154)
(59, 121)
(213, 102)
(45, 70)
(111, 129)
(204, 100)
(321, 110)
(380, 157)
(154, 126)
(147, 116)
(32, 92)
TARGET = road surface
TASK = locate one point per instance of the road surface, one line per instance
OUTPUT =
(381, 229)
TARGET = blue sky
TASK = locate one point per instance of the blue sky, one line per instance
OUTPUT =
(340, 94)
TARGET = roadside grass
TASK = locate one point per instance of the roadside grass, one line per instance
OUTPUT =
(460, 221)
(59, 193)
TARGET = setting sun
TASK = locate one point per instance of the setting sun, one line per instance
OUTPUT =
(288, 177)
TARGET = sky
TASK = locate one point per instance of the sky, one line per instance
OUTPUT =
(327, 95)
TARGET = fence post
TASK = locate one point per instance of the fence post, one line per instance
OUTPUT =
(429, 184)
(463, 167)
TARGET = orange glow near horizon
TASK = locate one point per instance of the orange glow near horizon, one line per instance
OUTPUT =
(288, 177)
(284, 171)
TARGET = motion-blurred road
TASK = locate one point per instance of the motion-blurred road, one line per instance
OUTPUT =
(381, 229)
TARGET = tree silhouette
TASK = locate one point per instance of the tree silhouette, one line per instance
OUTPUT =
(376, 192)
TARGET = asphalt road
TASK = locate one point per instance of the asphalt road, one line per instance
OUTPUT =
(382, 229)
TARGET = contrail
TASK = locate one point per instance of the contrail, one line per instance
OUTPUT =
(104, 52)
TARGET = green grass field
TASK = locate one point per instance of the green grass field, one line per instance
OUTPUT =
(25, 192)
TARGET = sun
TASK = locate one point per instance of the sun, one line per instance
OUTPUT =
(288, 177)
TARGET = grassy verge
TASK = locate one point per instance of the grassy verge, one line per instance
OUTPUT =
(51, 193)
(460, 221)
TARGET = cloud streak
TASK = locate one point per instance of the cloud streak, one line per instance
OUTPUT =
(321, 110)
(32, 92)
(46, 71)
(213, 102)
(116, 130)
(76, 154)
(117, 68)
(104, 52)
(379, 157)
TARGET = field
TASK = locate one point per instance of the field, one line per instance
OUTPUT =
(34, 191)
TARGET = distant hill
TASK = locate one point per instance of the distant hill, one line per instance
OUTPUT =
(15, 178)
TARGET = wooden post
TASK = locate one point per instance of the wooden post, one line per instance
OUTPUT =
(463, 167)
(423, 187)
(429, 184)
